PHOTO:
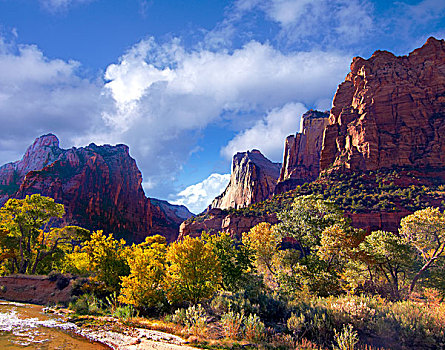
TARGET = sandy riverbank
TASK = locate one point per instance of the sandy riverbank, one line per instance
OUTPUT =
(134, 338)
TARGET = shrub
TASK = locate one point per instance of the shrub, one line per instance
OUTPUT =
(195, 319)
(124, 312)
(86, 304)
(314, 323)
(179, 316)
(347, 338)
(253, 328)
(232, 324)
(224, 302)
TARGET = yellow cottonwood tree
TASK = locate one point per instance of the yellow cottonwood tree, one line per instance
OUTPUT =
(27, 240)
(193, 271)
(143, 287)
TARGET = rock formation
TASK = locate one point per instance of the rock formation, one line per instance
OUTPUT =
(253, 179)
(301, 160)
(100, 187)
(217, 220)
(389, 111)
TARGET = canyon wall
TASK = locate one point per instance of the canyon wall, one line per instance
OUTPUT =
(389, 111)
(301, 159)
(253, 179)
(100, 187)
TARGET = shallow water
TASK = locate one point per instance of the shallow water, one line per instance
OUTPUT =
(24, 326)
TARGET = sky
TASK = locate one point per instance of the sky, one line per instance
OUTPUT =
(187, 83)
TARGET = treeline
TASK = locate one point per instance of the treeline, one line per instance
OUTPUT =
(311, 279)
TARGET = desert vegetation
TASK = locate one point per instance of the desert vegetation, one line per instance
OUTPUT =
(311, 281)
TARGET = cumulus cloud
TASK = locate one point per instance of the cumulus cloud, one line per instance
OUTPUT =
(199, 196)
(164, 95)
(269, 133)
(40, 95)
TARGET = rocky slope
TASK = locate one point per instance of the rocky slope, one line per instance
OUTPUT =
(100, 187)
(253, 179)
(301, 160)
(389, 111)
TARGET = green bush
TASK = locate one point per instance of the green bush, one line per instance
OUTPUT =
(179, 316)
(232, 324)
(253, 328)
(312, 322)
(86, 304)
(196, 319)
(224, 302)
(124, 312)
(347, 339)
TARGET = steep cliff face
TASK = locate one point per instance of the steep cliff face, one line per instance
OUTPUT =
(100, 187)
(42, 152)
(389, 111)
(301, 160)
(253, 179)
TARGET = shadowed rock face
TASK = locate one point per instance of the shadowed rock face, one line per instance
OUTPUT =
(301, 160)
(253, 179)
(100, 187)
(389, 111)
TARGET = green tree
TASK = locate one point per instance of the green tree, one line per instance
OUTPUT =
(193, 271)
(144, 286)
(387, 257)
(26, 236)
(306, 220)
(425, 231)
(235, 260)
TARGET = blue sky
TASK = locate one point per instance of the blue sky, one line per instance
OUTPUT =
(186, 84)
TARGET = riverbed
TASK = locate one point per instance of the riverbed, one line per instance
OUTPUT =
(25, 326)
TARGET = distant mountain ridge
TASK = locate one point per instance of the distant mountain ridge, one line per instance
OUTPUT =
(100, 187)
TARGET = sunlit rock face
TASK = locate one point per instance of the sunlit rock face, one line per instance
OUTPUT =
(389, 111)
(253, 179)
(100, 187)
(301, 160)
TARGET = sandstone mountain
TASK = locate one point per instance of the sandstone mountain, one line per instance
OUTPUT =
(100, 187)
(389, 111)
(385, 137)
(253, 179)
(301, 160)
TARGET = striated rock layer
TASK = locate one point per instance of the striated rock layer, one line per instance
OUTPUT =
(253, 179)
(301, 160)
(100, 187)
(389, 111)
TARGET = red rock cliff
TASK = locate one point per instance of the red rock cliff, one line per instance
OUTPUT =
(100, 187)
(301, 160)
(389, 111)
(253, 179)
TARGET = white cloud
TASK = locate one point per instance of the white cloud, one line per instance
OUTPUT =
(325, 23)
(199, 196)
(157, 98)
(268, 134)
(40, 95)
(164, 95)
